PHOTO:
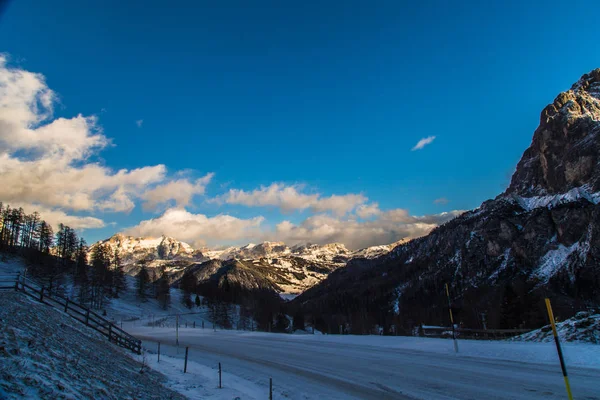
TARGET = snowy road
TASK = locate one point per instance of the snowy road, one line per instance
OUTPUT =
(371, 367)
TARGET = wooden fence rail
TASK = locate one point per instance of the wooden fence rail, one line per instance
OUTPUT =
(467, 333)
(75, 310)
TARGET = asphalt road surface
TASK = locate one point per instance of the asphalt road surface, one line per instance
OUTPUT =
(342, 367)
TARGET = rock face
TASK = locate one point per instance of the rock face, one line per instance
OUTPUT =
(565, 148)
(540, 238)
(135, 249)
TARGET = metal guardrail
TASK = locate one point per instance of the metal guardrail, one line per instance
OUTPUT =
(74, 309)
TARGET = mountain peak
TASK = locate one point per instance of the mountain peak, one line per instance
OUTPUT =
(564, 152)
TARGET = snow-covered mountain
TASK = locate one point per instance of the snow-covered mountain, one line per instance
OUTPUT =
(376, 251)
(289, 270)
(331, 252)
(133, 250)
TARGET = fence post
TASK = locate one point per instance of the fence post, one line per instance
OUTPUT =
(270, 388)
(158, 352)
(109, 331)
(42, 294)
(220, 376)
(194, 324)
(202, 324)
(66, 304)
(558, 349)
(185, 363)
(17, 282)
(87, 317)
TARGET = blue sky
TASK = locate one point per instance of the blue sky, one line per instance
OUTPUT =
(323, 99)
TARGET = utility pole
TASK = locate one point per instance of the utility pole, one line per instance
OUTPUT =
(177, 329)
(483, 321)
(451, 320)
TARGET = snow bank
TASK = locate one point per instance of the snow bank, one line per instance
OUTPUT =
(583, 327)
(201, 381)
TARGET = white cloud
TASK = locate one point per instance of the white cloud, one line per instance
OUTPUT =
(48, 162)
(423, 142)
(181, 191)
(289, 198)
(201, 230)
(139, 123)
(389, 227)
(366, 211)
(441, 200)
(198, 228)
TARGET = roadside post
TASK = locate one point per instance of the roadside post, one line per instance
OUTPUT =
(177, 330)
(452, 320)
(220, 386)
(558, 349)
(185, 362)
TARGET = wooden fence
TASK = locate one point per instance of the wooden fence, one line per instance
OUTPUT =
(466, 333)
(75, 310)
(8, 282)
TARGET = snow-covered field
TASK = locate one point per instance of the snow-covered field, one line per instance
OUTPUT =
(374, 367)
(302, 366)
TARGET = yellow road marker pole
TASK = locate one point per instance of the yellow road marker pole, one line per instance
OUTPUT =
(558, 349)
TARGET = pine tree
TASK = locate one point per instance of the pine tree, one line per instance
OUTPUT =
(222, 315)
(188, 284)
(143, 279)
(81, 261)
(46, 237)
(197, 301)
(298, 322)
(155, 282)
(164, 291)
(6, 221)
(119, 280)
(101, 279)
(282, 323)
(2, 222)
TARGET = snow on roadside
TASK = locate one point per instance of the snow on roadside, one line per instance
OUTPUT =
(201, 381)
(583, 327)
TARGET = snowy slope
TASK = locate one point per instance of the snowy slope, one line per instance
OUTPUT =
(44, 354)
